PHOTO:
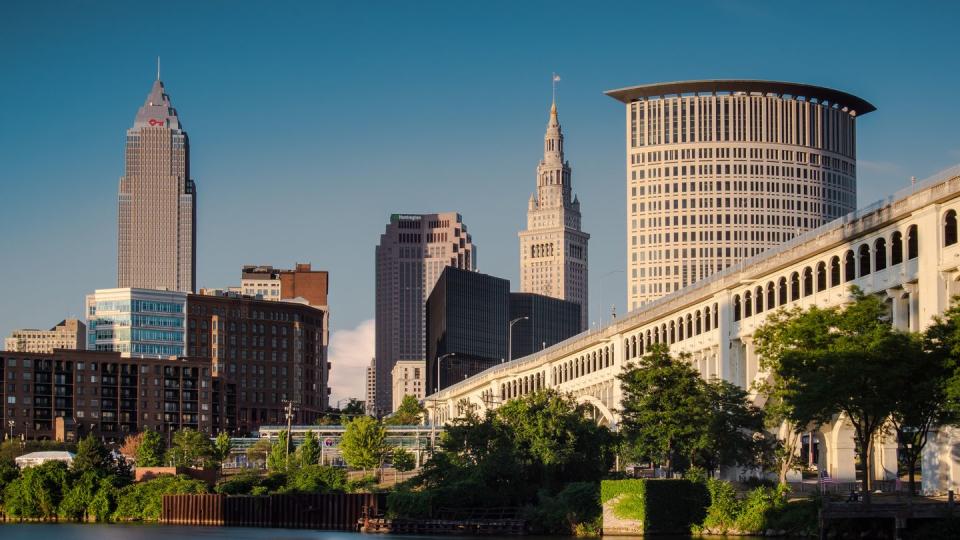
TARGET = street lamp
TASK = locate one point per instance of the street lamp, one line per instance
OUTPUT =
(11, 423)
(510, 337)
(439, 358)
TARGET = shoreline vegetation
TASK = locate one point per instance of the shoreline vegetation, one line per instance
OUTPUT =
(549, 460)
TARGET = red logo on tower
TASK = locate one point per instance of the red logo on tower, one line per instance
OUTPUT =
(155, 122)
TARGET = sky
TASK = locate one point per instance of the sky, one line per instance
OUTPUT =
(311, 122)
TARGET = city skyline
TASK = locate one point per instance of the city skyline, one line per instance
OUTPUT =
(320, 115)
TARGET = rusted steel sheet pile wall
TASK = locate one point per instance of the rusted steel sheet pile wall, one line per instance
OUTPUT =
(336, 511)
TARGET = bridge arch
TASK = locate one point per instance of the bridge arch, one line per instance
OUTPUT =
(606, 415)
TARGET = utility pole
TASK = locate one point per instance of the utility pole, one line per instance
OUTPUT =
(289, 415)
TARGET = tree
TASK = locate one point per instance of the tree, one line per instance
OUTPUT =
(665, 411)
(130, 445)
(278, 456)
(923, 398)
(403, 461)
(777, 335)
(735, 430)
(409, 413)
(309, 451)
(530, 446)
(259, 450)
(354, 407)
(840, 362)
(37, 492)
(362, 444)
(221, 447)
(190, 449)
(150, 450)
(91, 455)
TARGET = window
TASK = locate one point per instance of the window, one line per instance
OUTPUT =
(913, 250)
(864, 260)
(950, 228)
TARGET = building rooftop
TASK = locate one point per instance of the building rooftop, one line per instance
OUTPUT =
(809, 92)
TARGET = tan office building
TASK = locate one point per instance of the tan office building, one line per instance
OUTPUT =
(157, 202)
(67, 334)
(719, 171)
(553, 249)
(413, 251)
(408, 380)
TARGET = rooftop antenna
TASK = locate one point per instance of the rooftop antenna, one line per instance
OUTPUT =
(158, 68)
(556, 79)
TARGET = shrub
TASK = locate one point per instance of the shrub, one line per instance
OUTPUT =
(144, 501)
(404, 502)
(364, 484)
(241, 484)
(662, 506)
(315, 479)
(576, 506)
(724, 506)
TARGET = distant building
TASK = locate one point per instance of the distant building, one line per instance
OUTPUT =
(264, 354)
(137, 322)
(553, 249)
(413, 251)
(105, 393)
(67, 334)
(39, 458)
(157, 235)
(280, 284)
(370, 405)
(467, 318)
(408, 380)
(548, 321)
(720, 170)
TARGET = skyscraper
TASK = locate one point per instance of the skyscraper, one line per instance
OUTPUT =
(719, 171)
(553, 249)
(157, 237)
(413, 251)
(467, 320)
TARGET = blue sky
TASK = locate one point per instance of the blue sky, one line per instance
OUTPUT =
(311, 122)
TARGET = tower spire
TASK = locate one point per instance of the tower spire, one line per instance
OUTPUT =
(158, 68)
(555, 80)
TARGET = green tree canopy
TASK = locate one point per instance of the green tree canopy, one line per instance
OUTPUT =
(841, 361)
(190, 449)
(221, 447)
(664, 409)
(37, 492)
(409, 413)
(362, 445)
(259, 450)
(277, 459)
(535, 443)
(673, 417)
(91, 455)
(308, 453)
(150, 450)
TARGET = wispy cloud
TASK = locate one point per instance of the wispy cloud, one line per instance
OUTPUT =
(350, 353)
(879, 167)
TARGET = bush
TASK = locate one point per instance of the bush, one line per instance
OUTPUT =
(315, 479)
(241, 484)
(404, 502)
(575, 509)
(661, 506)
(364, 484)
(724, 506)
(144, 501)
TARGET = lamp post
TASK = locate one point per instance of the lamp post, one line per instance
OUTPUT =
(510, 337)
(439, 358)
(11, 423)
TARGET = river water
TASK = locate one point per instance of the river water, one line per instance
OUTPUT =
(73, 531)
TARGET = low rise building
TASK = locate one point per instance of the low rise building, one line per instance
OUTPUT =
(39, 458)
(67, 334)
(408, 380)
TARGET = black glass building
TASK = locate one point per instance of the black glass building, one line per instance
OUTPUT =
(549, 321)
(467, 314)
